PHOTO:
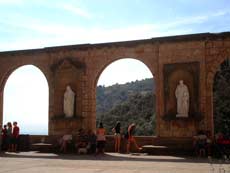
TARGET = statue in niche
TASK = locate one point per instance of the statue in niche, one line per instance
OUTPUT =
(69, 97)
(182, 96)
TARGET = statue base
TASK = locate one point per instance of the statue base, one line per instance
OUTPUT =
(181, 115)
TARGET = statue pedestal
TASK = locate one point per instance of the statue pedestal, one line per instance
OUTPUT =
(60, 125)
(181, 116)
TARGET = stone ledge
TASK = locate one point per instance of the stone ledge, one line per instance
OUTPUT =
(62, 117)
(196, 116)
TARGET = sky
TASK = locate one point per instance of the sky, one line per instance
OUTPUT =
(129, 70)
(29, 24)
(40, 23)
(27, 102)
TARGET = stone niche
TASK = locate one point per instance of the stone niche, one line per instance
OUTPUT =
(189, 73)
(67, 72)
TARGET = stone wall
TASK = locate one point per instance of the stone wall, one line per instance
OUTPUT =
(81, 65)
(174, 145)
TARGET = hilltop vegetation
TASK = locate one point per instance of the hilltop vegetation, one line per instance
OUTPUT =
(128, 103)
(221, 99)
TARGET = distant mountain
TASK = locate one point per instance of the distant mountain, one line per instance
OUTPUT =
(132, 102)
(108, 97)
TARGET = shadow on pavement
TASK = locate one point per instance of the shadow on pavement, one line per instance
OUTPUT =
(110, 157)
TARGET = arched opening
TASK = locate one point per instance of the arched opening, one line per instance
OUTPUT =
(126, 93)
(221, 98)
(26, 100)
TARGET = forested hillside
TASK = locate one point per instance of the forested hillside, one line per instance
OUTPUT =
(128, 103)
(222, 99)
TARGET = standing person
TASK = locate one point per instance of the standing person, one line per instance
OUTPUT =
(65, 140)
(1, 137)
(131, 139)
(4, 137)
(15, 136)
(92, 142)
(117, 136)
(101, 139)
(9, 136)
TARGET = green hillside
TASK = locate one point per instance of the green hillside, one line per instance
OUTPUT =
(128, 103)
(221, 99)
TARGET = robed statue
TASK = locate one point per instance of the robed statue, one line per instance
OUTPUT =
(69, 97)
(182, 96)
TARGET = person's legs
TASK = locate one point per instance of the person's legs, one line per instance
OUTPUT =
(135, 144)
(98, 147)
(102, 147)
(11, 145)
(94, 148)
(128, 145)
(118, 143)
(12, 148)
(64, 145)
(15, 144)
(202, 152)
(16, 147)
(8, 144)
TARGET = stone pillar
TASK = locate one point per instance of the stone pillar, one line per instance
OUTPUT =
(209, 104)
(1, 117)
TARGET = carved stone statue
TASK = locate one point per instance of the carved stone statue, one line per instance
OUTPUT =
(182, 96)
(69, 97)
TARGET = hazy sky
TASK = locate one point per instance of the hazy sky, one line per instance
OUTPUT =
(26, 100)
(41, 23)
(129, 70)
(26, 24)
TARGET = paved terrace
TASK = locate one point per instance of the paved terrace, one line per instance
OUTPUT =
(33, 162)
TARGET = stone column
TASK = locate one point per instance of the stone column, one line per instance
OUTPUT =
(1, 117)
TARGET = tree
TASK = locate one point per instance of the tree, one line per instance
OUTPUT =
(128, 103)
(221, 99)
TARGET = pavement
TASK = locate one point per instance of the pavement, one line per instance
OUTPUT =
(34, 162)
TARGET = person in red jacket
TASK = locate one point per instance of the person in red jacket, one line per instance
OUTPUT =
(15, 137)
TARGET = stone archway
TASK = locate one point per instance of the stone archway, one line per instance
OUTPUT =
(29, 105)
(123, 77)
(172, 53)
(212, 68)
(10, 67)
(109, 57)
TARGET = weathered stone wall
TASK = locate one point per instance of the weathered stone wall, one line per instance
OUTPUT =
(81, 65)
(180, 52)
(216, 52)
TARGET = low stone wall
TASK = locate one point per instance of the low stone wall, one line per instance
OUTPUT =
(174, 145)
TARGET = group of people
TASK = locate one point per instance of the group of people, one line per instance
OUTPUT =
(101, 140)
(85, 142)
(10, 137)
(128, 136)
(204, 145)
(94, 143)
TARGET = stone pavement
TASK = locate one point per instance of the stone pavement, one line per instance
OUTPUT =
(32, 162)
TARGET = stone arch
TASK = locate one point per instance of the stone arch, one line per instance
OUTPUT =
(212, 69)
(110, 61)
(9, 72)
